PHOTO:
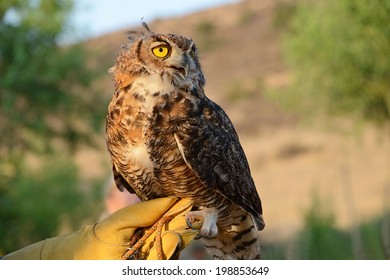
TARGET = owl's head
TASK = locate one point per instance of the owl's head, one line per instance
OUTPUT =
(168, 55)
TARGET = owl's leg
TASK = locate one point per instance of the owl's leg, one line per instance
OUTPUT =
(209, 216)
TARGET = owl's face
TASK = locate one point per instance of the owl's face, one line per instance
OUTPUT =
(167, 55)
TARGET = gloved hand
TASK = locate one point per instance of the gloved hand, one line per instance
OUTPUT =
(111, 238)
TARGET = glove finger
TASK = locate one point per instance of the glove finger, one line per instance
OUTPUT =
(183, 205)
(116, 228)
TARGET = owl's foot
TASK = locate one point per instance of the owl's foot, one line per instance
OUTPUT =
(209, 216)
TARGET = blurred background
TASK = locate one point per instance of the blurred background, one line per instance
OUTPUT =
(306, 83)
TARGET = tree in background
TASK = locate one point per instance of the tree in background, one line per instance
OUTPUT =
(340, 51)
(46, 109)
(340, 55)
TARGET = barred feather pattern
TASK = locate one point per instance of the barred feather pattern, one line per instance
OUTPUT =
(166, 138)
(238, 241)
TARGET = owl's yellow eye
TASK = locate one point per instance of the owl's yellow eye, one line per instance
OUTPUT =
(161, 51)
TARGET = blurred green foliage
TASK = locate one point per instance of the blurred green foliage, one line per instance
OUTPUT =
(43, 200)
(373, 232)
(205, 28)
(321, 239)
(43, 86)
(340, 53)
(47, 109)
(283, 13)
(207, 38)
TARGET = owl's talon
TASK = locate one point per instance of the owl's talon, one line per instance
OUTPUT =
(189, 221)
(209, 227)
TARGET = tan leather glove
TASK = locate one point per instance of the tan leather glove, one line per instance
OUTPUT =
(111, 238)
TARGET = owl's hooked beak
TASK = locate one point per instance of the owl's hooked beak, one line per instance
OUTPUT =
(183, 71)
(180, 72)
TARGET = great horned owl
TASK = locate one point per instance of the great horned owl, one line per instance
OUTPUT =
(166, 138)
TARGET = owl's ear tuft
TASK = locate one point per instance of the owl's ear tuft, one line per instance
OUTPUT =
(135, 35)
(145, 25)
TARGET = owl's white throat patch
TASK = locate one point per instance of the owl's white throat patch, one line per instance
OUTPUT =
(153, 83)
(151, 87)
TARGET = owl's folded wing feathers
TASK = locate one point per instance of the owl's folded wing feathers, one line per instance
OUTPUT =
(210, 146)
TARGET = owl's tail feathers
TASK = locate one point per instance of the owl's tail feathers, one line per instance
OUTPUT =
(238, 242)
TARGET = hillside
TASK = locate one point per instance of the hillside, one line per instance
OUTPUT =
(241, 54)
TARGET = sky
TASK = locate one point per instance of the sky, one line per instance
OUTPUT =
(96, 17)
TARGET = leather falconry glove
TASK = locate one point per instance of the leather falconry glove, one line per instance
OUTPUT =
(154, 229)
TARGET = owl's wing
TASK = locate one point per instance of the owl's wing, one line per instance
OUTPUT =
(210, 146)
(120, 182)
